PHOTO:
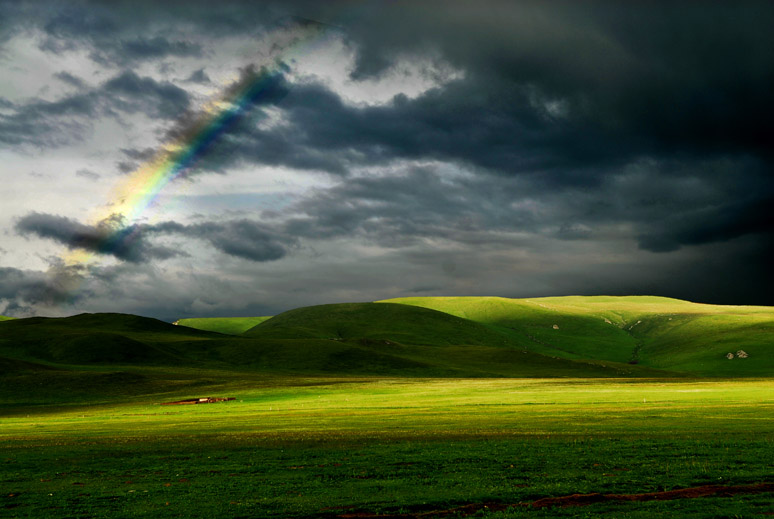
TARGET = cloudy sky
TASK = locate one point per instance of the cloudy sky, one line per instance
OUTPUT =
(517, 149)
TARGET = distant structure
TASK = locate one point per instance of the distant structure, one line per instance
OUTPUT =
(204, 400)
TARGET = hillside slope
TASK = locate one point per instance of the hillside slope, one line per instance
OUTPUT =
(398, 323)
(226, 325)
(92, 356)
(441, 343)
(88, 353)
(648, 331)
(94, 338)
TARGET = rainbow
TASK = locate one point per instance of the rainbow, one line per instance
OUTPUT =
(139, 191)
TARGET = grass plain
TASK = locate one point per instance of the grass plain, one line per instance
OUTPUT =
(311, 447)
(368, 410)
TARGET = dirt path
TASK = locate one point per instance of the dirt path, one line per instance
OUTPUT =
(567, 501)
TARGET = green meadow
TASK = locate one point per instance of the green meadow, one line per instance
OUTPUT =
(431, 407)
(657, 332)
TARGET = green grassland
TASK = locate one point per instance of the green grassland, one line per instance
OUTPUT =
(655, 332)
(226, 325)
(322, 447)
(355, 339)
(399, 408)
(418, 337)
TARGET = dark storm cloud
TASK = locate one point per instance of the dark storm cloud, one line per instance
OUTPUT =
(420, 204)
(713, 224)
(88, 174)
(109, 31)
(136, 156)
(127, 167)
(199, 76)
(392, 211)
(522, 124)
(70, 79)
(499, 131)
(48, 123)
(255, 87)
(131, 93)
(566, 96)
(626, 83)
(107, 50)
(682, 75)
(238, 238)
(240, 137)
(149, 48)
(577, 124)
(735, 272)
(139, 154)
(508, 131)
(668, 205)
(451, 124)
(23, 290)
(55, 123)
(109, 237)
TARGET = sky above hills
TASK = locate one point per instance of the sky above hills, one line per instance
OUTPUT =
(178, 159)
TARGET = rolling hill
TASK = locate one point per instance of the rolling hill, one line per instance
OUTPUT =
(92, 356)
(405, 340)
(94, 339)
(394, 322)
(226, 325)
(656, 332)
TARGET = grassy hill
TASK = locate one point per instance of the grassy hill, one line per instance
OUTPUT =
(393, 322)
(409, 340)
(655, 332)
(102, 356)
(405, 340)
(226, 325)
(94, 338)
(92, 356)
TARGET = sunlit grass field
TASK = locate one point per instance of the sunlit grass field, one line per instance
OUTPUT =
(654, 332)
(434, 407)
(327, 447)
